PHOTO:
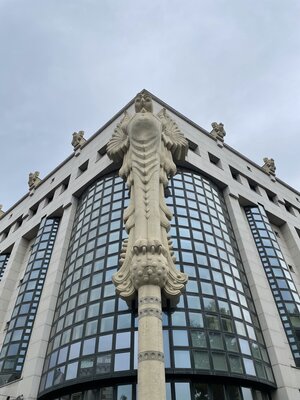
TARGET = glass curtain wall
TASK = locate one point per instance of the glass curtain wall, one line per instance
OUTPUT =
(277, 271)
(94, 333)
(19, 330)
(213, 330)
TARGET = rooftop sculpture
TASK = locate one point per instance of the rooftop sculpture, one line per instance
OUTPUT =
(218, 131)
(33, 179)
(269, 166)
(78, 139)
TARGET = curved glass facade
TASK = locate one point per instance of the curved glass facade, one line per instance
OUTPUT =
(93, 331)
(279, 277)
(213, 331)
(174, 391)
(20, 326)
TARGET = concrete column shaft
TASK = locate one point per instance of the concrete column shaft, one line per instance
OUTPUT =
(151, 366)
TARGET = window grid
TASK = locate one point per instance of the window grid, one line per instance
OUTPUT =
(3, 262)
(174, 391)
(94, 334)
(93, 331)
(281, 282)
(18, 334)
(217, 330)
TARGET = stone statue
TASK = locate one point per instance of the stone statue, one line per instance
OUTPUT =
(78, 139)
(218, 131)
(269, 166)
(1, 211)
(33, 179)
(147, 145)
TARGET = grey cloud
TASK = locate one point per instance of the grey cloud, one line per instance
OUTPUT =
(70, 65)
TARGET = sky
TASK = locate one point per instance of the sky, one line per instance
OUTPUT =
(69, 65)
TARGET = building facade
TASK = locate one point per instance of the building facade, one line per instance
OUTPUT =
(233, 331)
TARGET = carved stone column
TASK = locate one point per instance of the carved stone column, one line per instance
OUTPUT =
(148, 146)
(151, 363)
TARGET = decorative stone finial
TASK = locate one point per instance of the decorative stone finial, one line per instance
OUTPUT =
(269, 166)
(218, 131)
(1, 211)
(149, 145)
(78, 140)
(33, 180)
(143, 102)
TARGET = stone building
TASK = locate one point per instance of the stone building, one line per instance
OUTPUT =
(206, 270)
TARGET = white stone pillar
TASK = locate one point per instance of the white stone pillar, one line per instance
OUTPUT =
(151, 365)
(149, 146)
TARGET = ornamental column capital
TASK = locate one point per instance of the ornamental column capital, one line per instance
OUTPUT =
(148, 146)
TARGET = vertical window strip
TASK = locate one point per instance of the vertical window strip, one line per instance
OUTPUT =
(19, 330)
(279, 277)
(3, 262)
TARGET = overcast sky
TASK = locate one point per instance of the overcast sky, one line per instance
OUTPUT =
(69, 65)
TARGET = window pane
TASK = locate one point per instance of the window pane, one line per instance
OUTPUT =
(122, 361)
(180, 338)
(196, 320)
(105, 343)
(103, 364)
(218, 392)
(219, 362)
(234, 393)
(123, 340)
(231, 343)
(198, 339)
(247, 395)
(249, 366)
(178, 318)
(182, 359)
(168, 391)
(212, 322)
(215, 341)
(201, 360)
(201, 391)
(86, 367)
(72, 371)
(235, 364)
(89, 346)
(182, 391)
(124, 392)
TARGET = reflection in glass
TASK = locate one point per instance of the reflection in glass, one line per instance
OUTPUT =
(122, 361)
(182, 359)
(219, 362)
(182, 391)
(201, 359)
(124, 392)
(180, 338)
(103, 364)
(235, 364)
(201, 391)
(72, 370)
